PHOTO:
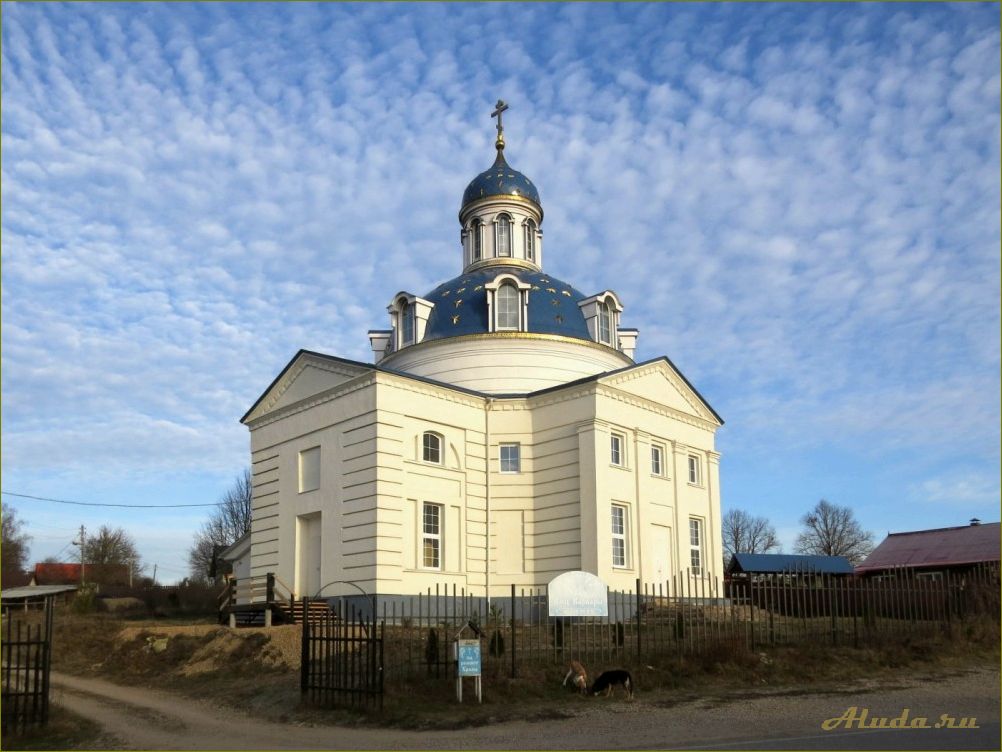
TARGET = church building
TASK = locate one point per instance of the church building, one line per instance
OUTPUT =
(503, 434)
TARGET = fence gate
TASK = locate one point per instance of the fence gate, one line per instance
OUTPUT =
(26, 655)
(342, 659)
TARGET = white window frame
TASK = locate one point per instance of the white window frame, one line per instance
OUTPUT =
(657, 460)
(605, 323)
(497, 236)
(695, 470)
(435, 536)
(517, 457)
(622, 535)
(517, 297)
(617, 450)
(696, 546)
(305, 456)
(476, 240)
(530, 240)
(426, 447)
(408, 324)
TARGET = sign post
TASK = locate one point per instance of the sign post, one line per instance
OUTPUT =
(467, 655)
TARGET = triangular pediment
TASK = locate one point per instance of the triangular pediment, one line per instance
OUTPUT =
(307, 374)
(660, 382)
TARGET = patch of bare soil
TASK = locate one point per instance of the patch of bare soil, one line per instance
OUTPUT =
(216, 648)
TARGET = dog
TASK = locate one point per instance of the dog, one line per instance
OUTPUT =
(578, 677)
(608, 680)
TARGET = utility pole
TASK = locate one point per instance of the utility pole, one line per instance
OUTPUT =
(154, 574)
(81, 543)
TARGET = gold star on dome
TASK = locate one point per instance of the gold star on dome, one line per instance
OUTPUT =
(459, 302)
(455, 319)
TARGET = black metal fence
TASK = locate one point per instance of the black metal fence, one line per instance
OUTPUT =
(26, 658)
(342, 659)
(684, 616)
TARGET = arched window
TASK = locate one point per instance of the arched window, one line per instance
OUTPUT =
(407, 324)
(507, 307)
(431, 448)
(530, 240)
(604, 324)
(476, 240)
(504, 235)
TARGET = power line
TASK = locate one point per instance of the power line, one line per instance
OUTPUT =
(99, 504)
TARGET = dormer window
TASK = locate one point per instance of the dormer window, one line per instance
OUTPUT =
(503, 240)
(530, 240)
(408, 317)
(508, 305)
(601, 314)
(476, 240)
(604, 324)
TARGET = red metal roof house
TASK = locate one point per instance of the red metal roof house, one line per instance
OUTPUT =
(938, 550)
(53, 573)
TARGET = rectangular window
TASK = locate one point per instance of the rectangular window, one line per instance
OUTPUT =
(619, 549)
(604, 324)
(657, 461)
(431, 536)
(504, 236)
(511, 458)
(431, 448)
(694, 474)
(616, 456)
(508, 301)
(309, 469)
(408, 325)
(696, 545)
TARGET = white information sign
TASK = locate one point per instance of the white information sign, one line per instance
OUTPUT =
(577, 594)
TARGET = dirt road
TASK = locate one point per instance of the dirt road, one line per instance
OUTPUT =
(146, 719)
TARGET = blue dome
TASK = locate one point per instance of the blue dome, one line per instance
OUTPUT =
(500, 180)
(461, 305)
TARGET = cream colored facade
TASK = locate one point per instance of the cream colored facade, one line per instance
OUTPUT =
(387, 478)
(362, 523)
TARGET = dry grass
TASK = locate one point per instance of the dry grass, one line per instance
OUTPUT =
(65, 730)
(216, 663)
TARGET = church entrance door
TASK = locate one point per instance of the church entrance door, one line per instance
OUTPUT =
(308, 548)
(660, 541)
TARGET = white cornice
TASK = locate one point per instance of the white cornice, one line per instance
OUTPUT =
(669, 412)
(662, 367)
(304, 361)
(361, 382)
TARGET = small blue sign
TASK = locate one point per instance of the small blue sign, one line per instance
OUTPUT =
(469, 658)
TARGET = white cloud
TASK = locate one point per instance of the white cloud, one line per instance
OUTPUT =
(800, 208)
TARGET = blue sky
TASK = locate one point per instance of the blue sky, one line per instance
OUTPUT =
(799, 204)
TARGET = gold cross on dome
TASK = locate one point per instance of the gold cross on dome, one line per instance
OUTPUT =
(500, 107)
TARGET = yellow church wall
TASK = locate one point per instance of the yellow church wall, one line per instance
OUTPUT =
(550, 517)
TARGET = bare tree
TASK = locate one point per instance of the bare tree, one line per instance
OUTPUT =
(744, 534)
(14, 545)
(111, 557)
(832, 530)
(230, 520)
